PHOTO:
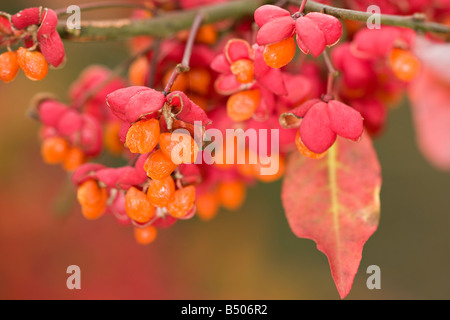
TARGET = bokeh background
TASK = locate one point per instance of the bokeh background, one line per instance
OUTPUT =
(249, 254)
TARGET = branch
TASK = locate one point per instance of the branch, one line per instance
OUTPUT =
(184, 65)
(109, 5)
(159, 27)
(172, 22)
(331, 73)
(416, 22)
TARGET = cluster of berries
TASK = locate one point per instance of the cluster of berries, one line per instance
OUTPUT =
(34, 31)
(376, 67)
(313, 33)
(253, 76)
(71, 134)
(231, 83)
(155, 192)
(68, 136)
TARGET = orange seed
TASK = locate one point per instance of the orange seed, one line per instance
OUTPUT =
(54, 150)
(161, 191)
(8, 66)
(279, 54)
(143, 136)
(242, 105)
(159, 166)
(32, 63)
(138, 206)
(182, 202)
(404, 64)
(145, 235)
(243, 70)
(305, 151)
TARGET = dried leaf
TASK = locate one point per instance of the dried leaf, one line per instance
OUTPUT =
(335, 202)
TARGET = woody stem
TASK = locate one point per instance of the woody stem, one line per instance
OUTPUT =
(302, 6)
(331, 72)
(184, 65)
(108, 5)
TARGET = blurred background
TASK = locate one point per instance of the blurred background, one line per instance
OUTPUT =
(249, 254)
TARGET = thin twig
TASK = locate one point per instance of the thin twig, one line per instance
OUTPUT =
(184, 65)
(302, 6)
(331, 72)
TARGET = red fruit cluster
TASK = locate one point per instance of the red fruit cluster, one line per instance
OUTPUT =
(149, 120)
(32, 63)
(34, 29)
(100, 182)
(376, 67)
(68, 136)
(73, 133)
(197, 83)
(313, 32)
(251, 83)
(321, 122)
(132, 197)
(231, 84)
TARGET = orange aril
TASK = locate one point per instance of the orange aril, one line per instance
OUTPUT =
(145, 235)
(206, 34)
(32, 63)
(242, 105)
(159, 192)
(279, 54)
(143, 136)
(92, 199)
(8, 66)
(179, 147)
(75, 158)
(138, 206)
(243, 69)
(231, 194)
(207, 205)
(182, 202)
(138, 72)
(54, 150)
(159, 166)
(404, 64)
(199, 80)
(305, 151)
(111, 138)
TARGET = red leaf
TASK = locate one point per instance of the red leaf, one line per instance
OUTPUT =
(335, 202)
